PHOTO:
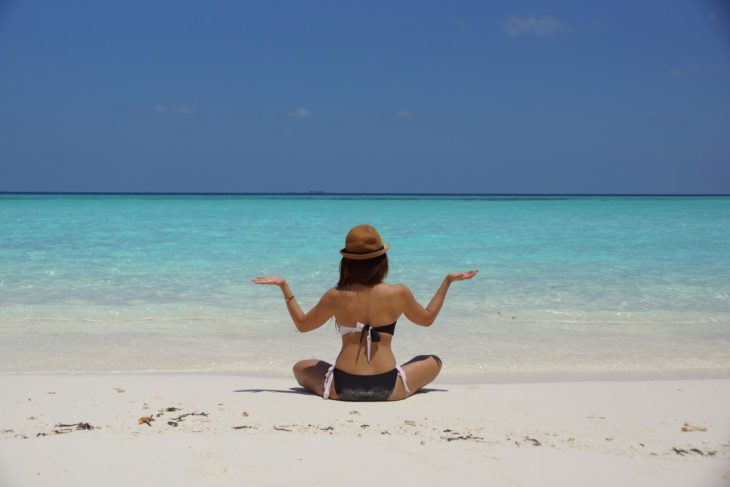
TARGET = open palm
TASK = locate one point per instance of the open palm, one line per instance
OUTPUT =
(463, 276)
(272, 280)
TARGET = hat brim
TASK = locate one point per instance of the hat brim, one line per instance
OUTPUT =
(369, 255)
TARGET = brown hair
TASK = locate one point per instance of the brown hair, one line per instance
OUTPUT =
(367, 272)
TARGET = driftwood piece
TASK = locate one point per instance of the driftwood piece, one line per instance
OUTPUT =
(182, 416)
(78, 426)
(696, 451)
(455, 435)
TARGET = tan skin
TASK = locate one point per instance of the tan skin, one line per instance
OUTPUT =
(378, 305)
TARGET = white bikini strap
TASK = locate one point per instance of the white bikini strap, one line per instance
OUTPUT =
(328, 377)
(369, 340)
(362, 328)
(403, 377)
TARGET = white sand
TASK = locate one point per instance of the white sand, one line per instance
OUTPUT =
(571, 433)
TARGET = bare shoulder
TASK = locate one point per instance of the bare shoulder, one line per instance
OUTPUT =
(331, 295)
(332, 292)
(394, 290)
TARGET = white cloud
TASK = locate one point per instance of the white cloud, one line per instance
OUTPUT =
(542, 26)
(160, 108)
(404, 114)
(184, 109)
(301, 112)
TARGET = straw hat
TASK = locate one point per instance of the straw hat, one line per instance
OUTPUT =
(363, 242)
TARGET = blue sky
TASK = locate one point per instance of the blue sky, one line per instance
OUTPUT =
(342, 96)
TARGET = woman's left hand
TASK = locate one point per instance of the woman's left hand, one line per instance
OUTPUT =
(275, 280)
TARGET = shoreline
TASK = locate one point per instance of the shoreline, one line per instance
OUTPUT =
(267, 431)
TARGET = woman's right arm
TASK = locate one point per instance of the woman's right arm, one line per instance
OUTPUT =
(312, 319)
(426, 316)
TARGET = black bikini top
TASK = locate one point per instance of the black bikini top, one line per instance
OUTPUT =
(389, 329)
(375, 331)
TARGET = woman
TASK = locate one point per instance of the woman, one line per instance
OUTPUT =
(365, 310)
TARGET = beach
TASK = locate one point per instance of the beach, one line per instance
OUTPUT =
(592, 349)
(231, 430)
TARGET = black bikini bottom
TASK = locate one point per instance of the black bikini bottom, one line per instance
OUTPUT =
(350, 387)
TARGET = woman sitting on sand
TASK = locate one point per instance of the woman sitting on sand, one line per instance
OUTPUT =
(365, 310)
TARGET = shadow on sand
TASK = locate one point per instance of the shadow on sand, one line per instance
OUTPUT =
(301, 390)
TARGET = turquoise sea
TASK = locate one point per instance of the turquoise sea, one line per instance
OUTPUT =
(570, 286)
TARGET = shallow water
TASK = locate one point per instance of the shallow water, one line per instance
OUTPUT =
(598, 286)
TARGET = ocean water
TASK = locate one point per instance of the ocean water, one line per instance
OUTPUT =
(569, 286)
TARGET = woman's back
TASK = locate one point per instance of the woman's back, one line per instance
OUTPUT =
(372, 305)
(377, 306)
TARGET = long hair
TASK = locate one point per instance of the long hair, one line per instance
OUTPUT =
(368, 272)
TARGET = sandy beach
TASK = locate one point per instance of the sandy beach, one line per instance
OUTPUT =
(189, 429)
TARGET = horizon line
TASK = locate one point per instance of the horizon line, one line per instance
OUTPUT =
(327, 193)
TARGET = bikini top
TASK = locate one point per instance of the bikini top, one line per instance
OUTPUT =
(366, 331)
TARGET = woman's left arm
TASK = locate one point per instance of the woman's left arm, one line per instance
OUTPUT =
(304, 322)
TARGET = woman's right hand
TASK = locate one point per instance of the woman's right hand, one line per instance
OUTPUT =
(461, 276)
(272, 280)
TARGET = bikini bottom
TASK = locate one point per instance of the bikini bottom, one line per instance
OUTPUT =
(351, 387)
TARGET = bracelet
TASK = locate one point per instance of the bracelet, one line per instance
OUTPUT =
(289, 299)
